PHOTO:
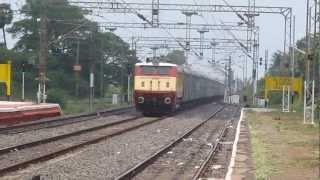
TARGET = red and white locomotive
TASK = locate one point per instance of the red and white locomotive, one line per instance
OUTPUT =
(162, 87)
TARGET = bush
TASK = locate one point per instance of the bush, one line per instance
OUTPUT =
(57, 96)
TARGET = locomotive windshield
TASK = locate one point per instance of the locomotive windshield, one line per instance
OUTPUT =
(161, 70)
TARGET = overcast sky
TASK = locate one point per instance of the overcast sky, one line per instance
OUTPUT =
(271, 25)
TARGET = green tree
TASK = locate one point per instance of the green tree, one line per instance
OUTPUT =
(104, 53)
(6, 16)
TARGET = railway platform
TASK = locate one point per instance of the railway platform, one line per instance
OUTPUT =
(18, 112)
(241, 165)
(267, 144)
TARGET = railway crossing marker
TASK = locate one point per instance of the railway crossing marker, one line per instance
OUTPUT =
(5, 77)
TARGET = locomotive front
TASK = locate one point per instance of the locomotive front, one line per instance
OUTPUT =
(155, 87)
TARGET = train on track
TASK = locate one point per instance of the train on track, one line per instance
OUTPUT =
(163, 87)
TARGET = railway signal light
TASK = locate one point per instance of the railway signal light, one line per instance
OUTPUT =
(25, 65)
(310, 57)
(261, 63)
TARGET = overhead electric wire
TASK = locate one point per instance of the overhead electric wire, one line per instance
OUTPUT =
(243, 48)
(163, 28)
(63, 36)
(238, 14)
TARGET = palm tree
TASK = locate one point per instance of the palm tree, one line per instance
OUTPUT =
(6, 16)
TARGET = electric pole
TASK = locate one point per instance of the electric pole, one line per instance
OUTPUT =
(266, 62)
(77, 69)
(293, 63)
(202, 31)
(229, 77)
(43, 55)
(188, 32)
(102, 62)
(213, 45)
(155, 13)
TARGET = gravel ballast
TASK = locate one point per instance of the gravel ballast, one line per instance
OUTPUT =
(111, 157)
(183, 160)
(35, 135)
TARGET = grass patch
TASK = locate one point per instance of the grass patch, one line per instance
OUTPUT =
(284, 148)
(262, 160)
(81, 106)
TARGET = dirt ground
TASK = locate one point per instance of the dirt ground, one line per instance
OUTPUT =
(284, 148)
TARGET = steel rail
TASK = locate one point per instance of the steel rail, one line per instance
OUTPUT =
(212, 153)
(204, 166)
(41, 158)
(60, 152)
(61, 121)
(55, 138)
(129, 174)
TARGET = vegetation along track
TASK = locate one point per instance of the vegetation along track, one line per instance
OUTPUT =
(20, 156)
(140, 167)
(61, 121)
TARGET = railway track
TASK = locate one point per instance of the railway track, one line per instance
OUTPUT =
(18, 157)
(204, 171)
(61, 121)
(21, 156)
(204, 166)
(140, 167)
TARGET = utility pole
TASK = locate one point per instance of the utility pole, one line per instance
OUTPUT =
(101, 69)
(229, 77)
(226, 82)
(91, 86)
(293, 63)
(77, 69)
(155, 13)
(154, 54)
(202, 31)
(266, 61)
(188, 32)
(317, 56)
(43, 55)
(129, 88)
(307, 73)
(310, 60)
(255, 66)
(213, 45)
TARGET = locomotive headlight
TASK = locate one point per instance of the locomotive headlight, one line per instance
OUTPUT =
(141, 100)
(167, 100)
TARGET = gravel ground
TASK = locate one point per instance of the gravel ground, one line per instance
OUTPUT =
(30, 136)
(183, 160)
(110, 158)
(47, 148)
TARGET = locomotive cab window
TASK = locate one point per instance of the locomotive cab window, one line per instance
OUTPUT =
(161, 70)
